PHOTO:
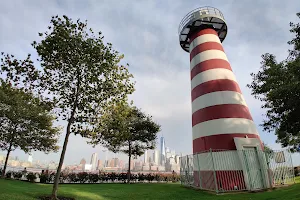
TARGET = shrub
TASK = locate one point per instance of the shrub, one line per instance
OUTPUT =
(297, 172)
(82, 177)
(150, 177)
(44, 178)
(51, 177)
(63, 177)
(141, 177)
(31, 177)
(157, 177)
(123, 177)
(8, 175)
(112, 176)
(18, 175)
(72, 177)
(93, 178)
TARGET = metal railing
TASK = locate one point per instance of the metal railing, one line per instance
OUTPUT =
(207, 10)
(236, 170)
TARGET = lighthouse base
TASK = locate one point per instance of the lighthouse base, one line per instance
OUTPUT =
(232, 170)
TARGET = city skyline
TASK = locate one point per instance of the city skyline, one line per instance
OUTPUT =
(159, 65)
(149, 161)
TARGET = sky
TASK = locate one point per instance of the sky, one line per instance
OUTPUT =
(146, 32)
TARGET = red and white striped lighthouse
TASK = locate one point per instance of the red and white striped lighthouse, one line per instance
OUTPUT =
(219, 110)
(220, 116)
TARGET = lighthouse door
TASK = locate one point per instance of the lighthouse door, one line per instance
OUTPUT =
(253, 168)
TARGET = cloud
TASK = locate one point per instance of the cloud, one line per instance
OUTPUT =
(146, 32)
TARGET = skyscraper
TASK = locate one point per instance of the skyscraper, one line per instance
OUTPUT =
(30, 158)
(162, 151)
(94, 160)
(146, 157)
(99, 165)
(156, 157)
(82, 162)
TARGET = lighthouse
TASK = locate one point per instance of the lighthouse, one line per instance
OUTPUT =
(221, 120)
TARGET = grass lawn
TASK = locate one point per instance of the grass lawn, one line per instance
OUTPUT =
(17, 190)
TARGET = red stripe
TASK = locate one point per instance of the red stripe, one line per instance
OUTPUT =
(219, 112)
(209, 64)
(215, 86)
(204, 47)
(221, 141)
(202, 32)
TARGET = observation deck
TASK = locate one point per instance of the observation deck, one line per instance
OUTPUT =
(199, 18)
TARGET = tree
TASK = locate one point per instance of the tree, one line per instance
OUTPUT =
(81, 74)
(277, 85)
(26, 122)
(125, 128)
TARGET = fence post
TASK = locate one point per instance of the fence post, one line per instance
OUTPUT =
(188, 169)
(291, 164)
(213, 163)
(199, 175)
(268, 160)
(181, 177)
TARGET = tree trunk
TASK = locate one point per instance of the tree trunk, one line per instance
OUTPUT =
(61, 161)
(6, 160)
(129, 164)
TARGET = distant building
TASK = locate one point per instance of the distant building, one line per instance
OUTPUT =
(168, 150)
(162, 151)
(100, 164)
(88, 167)
(177, 159)
(146, 157)
(156, 157)
(154, 168)
(115, 162)
(94, 160)
(83, 161)
(121, 164)
(30, 159)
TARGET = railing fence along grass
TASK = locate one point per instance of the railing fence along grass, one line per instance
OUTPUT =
(236, 170)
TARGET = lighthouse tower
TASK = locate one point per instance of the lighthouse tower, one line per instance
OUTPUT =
(220, 116)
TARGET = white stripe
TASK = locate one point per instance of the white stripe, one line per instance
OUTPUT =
(202, 39)
(224, 126)
(207, 55)
(212, 74)
(218, 98)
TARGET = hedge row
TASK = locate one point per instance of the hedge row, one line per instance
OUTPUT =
(84, 177)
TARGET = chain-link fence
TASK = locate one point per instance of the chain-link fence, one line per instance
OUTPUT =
(236, 170)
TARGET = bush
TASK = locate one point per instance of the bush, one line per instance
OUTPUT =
(51, 177)
(82, 177)
(63, 177)
(8, 175)
(150, 177)
(297, 172)
(44, 178)
(31, 177)
(72, 177)
(18, 175)
(141, 177)
(93, 178)
(112, 176)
